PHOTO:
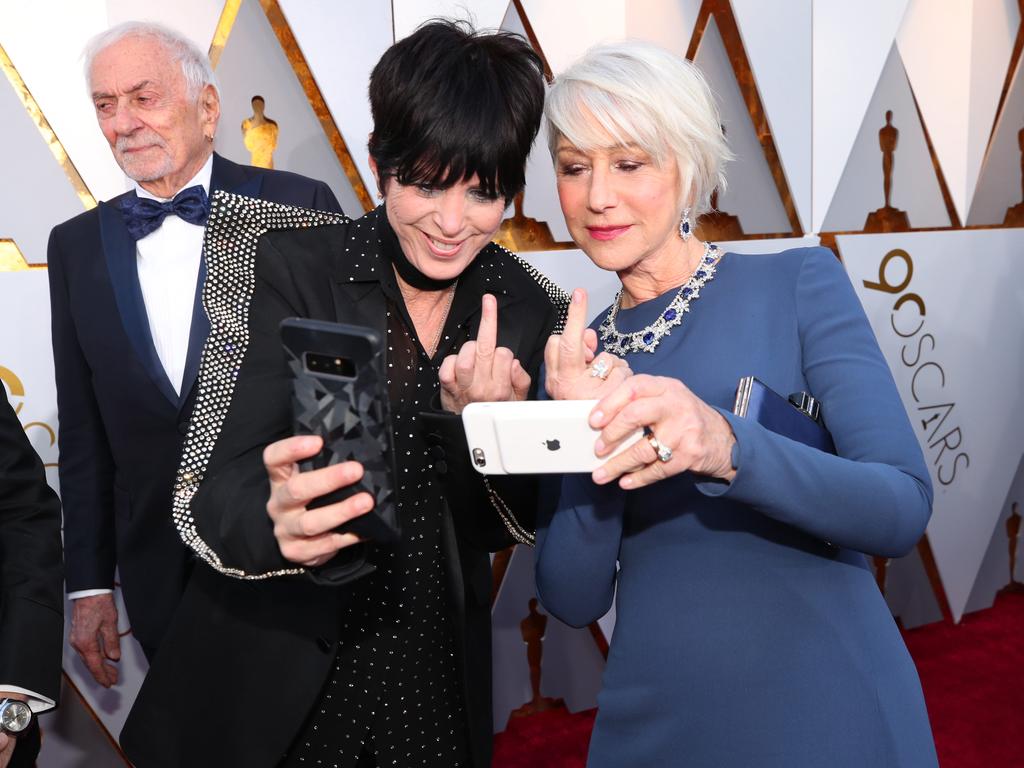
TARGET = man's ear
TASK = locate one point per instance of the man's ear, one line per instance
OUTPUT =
(209, 106)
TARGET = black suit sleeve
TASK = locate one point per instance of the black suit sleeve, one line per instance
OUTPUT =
(230, 507)
(86, 464)
(31, 614)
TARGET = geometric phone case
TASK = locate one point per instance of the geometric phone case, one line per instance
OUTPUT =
(350, 414)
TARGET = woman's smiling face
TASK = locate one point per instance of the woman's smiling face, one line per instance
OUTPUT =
(442, 230)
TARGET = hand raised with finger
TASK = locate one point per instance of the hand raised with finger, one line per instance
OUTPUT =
(308, 536)
(572, 371)
(482, 371)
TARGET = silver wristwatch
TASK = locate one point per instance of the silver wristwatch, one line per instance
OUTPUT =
(15, 716)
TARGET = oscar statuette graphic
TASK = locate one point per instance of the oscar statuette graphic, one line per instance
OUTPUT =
(521, 233)
(1015, 213)
(532, 629)
(717, 225)
(1013, 534)
(260, 135)
(887, 218)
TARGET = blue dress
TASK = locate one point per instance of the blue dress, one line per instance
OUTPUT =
(749, 628)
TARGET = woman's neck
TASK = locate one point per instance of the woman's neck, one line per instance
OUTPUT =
(660, 272)
(419, 300)
(428, 311)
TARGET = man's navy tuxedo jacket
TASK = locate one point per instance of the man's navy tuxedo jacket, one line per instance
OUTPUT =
(121, 422)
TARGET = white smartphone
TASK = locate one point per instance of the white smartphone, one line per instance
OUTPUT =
(534, 437)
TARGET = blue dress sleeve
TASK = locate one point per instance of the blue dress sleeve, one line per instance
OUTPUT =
(875, 495)
(577, 549)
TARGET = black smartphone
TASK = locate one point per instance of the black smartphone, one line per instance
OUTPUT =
(339, 392)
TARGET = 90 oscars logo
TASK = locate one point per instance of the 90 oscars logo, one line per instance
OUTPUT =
(935, 408)
(16, 394)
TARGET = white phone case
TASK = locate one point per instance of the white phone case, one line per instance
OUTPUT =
(534, 437)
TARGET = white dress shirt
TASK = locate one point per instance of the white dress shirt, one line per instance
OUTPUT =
(168, 259)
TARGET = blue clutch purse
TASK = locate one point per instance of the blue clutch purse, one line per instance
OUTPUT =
(797, 417)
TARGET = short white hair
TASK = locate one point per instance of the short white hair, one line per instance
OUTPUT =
(195, 65)
(640, 94)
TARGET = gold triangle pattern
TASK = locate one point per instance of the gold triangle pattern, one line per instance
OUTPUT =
(725, 19)
(11, 257)
(41, 123)
(828, 239)
(290, 46)
(520, 233)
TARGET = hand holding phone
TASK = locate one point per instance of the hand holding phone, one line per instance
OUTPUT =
(307, 536)
(339, 393)
(534, 437)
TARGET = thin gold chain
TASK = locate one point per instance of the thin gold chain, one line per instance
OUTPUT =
(444, 319)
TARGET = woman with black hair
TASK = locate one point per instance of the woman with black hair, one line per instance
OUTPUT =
(299, 645)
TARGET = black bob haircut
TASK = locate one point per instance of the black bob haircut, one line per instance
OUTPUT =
(449, 102)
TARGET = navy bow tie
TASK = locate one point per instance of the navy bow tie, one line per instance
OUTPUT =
(143, 215)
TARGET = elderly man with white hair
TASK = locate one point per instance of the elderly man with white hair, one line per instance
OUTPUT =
(129, 327)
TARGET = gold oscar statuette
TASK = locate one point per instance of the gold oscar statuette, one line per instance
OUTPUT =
(259, 133)
(521, 233)
(1013, 535)
(716, 225)
(533, 628)
(1015, 213)
(887, 218)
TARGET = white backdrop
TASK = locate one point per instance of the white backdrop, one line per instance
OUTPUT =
(822, 71)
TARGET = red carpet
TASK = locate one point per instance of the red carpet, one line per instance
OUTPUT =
(973, 679)
(552, 739)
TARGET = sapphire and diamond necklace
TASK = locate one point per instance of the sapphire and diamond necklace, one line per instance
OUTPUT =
(648, 337)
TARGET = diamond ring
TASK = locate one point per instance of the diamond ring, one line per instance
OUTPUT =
(663, 451)
(600, 369)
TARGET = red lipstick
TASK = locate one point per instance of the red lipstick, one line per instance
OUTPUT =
(607, 233)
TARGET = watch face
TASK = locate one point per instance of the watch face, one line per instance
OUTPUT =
(15, 716)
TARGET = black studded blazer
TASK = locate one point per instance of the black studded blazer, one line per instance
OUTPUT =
(254, 639)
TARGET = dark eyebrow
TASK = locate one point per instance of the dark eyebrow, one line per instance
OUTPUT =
(134, 89)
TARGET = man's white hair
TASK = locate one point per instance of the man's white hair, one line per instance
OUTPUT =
(639, 94)
(195, 65)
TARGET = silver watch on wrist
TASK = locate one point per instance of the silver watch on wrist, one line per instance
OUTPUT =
(15, 716)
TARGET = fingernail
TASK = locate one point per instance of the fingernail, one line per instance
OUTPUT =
(577, 296)
(600, 475)
(596, 418)
(626, 482)
(599, 447)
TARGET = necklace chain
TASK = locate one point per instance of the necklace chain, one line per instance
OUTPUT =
(444, 319)
(648, 337)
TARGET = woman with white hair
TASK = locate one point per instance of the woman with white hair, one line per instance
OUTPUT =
(749, 629)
